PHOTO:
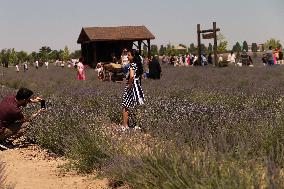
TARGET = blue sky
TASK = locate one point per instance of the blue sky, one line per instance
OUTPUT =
(28, 25)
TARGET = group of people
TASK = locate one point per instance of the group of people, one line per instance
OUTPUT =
(14, 123)
(272, 57)
(71, 63)
(151, 66)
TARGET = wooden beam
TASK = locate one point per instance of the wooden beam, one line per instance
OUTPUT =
(210, 30)
(135, 45)
(144, 43)
(149, 48)
(208, 36)
(139, 47)
(215, 44)
(199, 43)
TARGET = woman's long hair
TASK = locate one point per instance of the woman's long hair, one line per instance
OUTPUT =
(138, 61)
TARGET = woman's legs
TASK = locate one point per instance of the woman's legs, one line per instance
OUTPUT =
(125, 112)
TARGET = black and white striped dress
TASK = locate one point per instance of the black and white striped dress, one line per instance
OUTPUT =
(134, 95)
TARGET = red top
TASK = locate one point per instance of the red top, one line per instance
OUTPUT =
(9, 112)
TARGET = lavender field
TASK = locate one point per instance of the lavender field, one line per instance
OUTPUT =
(202, 127)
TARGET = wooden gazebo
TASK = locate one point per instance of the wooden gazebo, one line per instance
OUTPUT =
(98, 43)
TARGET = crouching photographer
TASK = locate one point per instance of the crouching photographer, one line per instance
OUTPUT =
(12, 120)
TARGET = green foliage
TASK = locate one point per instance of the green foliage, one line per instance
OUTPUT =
(227, 129)
(222, 43)
(272, 42)
(237, 47)
(210, 48)
(204, 50)
(171, 168)
(44, 53)
(66, 53)
(162, 50)
(169, 50)
(145, 50)
(254, 47)
(154, 49)
(245, 46)
(89, 149)
(76, 54)
(22, 56)
(192, 48)
(33, 56)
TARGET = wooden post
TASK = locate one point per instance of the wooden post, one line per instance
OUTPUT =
(215, 44)
(149, 48)
(139, 46)
(95, 60)
(199, 42)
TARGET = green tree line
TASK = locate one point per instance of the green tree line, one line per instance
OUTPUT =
(45, 53)
(222, 47)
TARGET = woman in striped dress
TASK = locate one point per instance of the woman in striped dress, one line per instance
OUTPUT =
(133, 93)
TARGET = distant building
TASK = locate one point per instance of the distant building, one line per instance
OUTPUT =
(99, 43)
(260, 48)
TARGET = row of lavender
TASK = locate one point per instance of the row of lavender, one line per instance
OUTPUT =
(202, 127)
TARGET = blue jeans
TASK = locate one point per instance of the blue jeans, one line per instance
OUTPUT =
(270, 62)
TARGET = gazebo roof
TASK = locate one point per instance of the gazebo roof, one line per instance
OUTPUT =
(121, 33)
(179, 47)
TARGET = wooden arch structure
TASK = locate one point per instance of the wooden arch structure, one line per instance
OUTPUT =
(208, 34)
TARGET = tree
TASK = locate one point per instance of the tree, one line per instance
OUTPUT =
(44, 53)
(210, 48)
(154, 49)
(169, 49)
(54, 55)
(162, 50)
(76, 54)
(222, 43)
(145, 50)
(272, 42)
(22, 56)
(254, 47)
(66, 54)
(33, 56)
(237, 47)
(60, 54)
(12, 56)
(204, 50)
(3, 55)
(192, 48)
(245, 46)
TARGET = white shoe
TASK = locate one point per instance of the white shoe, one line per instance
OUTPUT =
(137, 128)
(123, 128)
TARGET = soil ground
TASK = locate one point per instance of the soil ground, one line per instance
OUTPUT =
(33, 168)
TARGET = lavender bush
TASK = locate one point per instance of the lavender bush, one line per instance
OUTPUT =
(203, 127)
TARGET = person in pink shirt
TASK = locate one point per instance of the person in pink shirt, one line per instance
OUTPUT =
(81, 70)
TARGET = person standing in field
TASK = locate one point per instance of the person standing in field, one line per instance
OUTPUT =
(37, 65)
(25, 67)
(133, 93)
(269, 56)
(280, 57)
(232, 58)
(81, 70)
(46, 64)
(17, 68)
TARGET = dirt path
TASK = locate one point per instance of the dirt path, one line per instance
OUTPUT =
(33, 168)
